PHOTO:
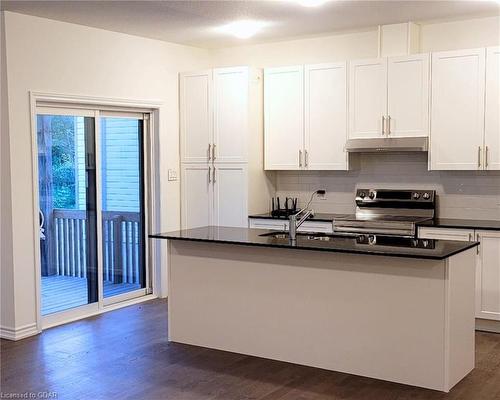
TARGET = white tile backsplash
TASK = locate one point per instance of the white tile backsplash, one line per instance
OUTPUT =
(461, 194)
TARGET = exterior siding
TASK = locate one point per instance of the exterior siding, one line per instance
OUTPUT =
(120, 164)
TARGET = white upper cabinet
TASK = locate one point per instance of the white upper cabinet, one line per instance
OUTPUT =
(195, 115)
(231, 114)
(197, 204)
(389, 97)
(408, 96)
(230, 195)
(367, 98)
(457, 110)
(492, 110)
(283, 117)
(325, 116)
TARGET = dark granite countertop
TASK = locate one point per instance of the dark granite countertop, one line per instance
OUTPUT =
(254, 237)
(462, 224)
(437, 222)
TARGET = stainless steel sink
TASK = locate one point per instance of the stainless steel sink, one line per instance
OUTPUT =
(276, 235)
(282, 234)
(306, 235)
(324, 238)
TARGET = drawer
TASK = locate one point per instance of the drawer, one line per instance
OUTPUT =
(464, 235)
(264, 223)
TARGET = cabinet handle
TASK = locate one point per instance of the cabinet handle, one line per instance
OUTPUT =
(213, 152)
(388, 125)
(209, 149)
(477, 240)
(383, 125)
(479, 157)
(486, 157)
(306, 157)
(470, 237)
(300, 158)
(214, 176)
(209, 170)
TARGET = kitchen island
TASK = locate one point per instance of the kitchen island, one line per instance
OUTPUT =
(396, 310)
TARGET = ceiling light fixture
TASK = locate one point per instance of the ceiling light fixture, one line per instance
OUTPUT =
(311, 3)
(243, 29)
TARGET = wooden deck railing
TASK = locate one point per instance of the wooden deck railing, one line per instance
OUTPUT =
(121, 245)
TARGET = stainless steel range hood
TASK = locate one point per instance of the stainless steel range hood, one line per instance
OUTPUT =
(387, 145)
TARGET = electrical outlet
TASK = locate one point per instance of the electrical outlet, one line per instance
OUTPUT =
(321, 194)
(172, 175)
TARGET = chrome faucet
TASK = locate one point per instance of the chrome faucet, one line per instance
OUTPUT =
(294, 224)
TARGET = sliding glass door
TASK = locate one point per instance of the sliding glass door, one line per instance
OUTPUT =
(122, 203)
(67, 211)
(91, 208)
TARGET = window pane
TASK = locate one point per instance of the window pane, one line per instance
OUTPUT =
(122, 205)
(66, 171)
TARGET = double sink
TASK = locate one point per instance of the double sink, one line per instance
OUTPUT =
(308, 236)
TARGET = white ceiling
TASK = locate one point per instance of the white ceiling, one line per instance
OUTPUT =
(193, 22)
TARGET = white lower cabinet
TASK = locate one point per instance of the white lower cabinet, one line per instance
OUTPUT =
(196, 208)
(487, 265)
(488, 275)
(282, 224)
(214, 195)
(230, 195)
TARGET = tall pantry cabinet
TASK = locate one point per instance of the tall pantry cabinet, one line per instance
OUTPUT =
(222, 176)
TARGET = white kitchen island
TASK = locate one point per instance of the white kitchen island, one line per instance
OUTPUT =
(397, 314)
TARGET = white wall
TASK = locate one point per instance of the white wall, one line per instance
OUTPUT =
(6, 277)
(461, 194)
(50, 56)
(464, 34)
(302, 51)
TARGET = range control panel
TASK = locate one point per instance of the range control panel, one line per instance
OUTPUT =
(367, 195)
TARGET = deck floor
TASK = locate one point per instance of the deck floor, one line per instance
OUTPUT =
(64, 292)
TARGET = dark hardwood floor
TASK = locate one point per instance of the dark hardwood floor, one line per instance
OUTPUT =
(124, 354)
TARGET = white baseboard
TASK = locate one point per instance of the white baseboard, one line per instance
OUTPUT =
(18, 333)
(487, 325)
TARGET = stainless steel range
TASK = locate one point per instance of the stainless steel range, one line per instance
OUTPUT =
(388, 212)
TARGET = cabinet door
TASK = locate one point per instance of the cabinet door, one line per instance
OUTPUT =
(408, 96)
(196, 202)
(325, 116)
(230, 195)
(195, 116)
(283, 117)
(492, 106)
(457, 111)
(488, 275)
(231, 114)
(462, 235)
(367, 98)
